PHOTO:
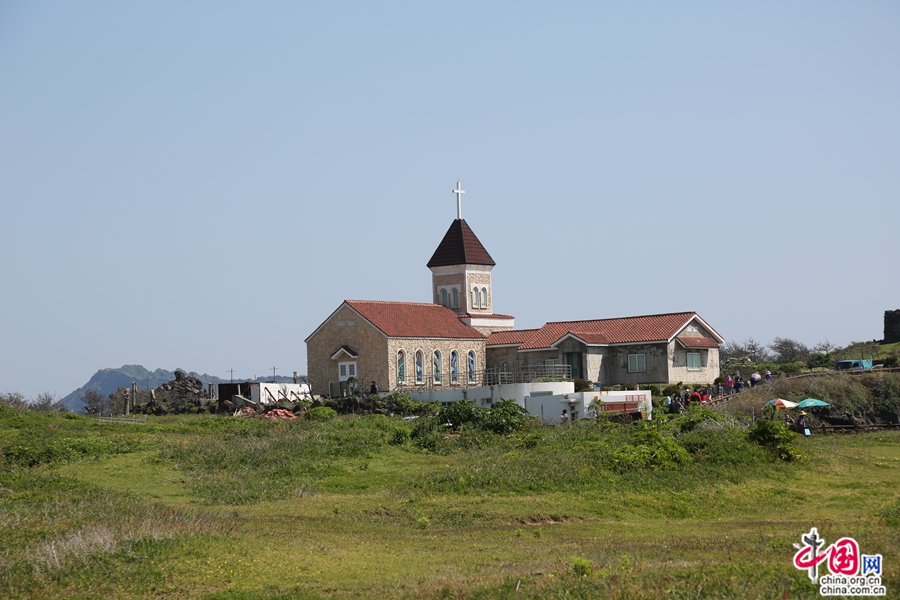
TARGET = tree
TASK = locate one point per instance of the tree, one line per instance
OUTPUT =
(787, 350)
(750, 349)
(94, 402)
(13, 400)
(44, 402)
(825, 347)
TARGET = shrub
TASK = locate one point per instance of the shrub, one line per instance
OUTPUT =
(583, 385)
(582, 566)
(399, 437)
(505, 417)
(776, 437)
(462, 412)
(321, 413)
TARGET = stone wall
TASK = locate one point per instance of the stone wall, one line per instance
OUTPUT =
(368, 342)
(481, 280)
(709, 365)
(411, 345)
(891, 326)
(656, 359)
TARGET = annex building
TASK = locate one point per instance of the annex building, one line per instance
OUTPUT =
(458, 342)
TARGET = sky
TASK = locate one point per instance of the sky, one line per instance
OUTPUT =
(200, 184)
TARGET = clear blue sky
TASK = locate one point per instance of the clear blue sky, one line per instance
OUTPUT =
(199, 185)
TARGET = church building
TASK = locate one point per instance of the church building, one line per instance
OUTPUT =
(458, 342)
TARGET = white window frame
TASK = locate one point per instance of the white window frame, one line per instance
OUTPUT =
(699, 360)
(475, 297)
(470, 373)
(637, 363)
(454, 298)
(484, 298)
(454, 377)
(346, 370)
(444, 297)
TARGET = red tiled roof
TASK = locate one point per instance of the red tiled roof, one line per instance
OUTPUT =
(502, 338)
(698, 342)
(413, 319)
(624, 330)
(460, 247)
(484, 316)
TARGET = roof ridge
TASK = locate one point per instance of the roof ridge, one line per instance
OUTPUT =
(689, 312)
(392, 302)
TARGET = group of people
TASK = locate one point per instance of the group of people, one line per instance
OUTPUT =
(734, 385)
(700, 396)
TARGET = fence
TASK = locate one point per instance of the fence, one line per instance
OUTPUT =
(129, 420)
(527, 374)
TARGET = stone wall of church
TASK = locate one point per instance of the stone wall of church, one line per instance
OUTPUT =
(427, 346)
(365, 339)
(455, 279)
(481, 280)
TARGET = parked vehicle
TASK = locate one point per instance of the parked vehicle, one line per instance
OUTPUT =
(854, 365)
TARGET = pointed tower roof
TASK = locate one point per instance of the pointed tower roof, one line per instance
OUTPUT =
(460, 246)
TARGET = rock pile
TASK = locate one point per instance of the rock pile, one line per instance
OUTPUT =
(183, 394)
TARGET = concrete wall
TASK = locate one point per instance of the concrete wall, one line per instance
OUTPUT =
(549, 408)
(486, 395)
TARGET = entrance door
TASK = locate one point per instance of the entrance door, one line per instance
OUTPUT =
(573, 359)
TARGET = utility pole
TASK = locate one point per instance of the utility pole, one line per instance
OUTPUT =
(273, 373)
(232, 374)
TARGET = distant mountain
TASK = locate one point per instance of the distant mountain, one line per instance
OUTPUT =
(107, 381)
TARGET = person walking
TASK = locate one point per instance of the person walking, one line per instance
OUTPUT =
(564, 418)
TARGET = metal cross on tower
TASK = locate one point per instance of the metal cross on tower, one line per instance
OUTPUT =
(459, 192)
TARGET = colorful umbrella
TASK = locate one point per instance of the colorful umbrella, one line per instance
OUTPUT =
(780, 403)
(810, 402)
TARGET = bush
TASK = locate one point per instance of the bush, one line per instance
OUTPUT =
(321, 413)
(400, 437)
(583, 385)
(776, 437)
(505, 417)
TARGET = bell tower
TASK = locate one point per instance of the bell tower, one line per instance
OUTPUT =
(461, 276)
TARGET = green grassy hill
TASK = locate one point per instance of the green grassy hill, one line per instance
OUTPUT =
(865, 397)
(376, 507)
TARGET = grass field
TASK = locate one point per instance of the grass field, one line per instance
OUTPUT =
(224, 508)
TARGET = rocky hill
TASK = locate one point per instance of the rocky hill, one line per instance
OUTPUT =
(107, 381)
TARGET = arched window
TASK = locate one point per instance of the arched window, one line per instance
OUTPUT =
(506, 367)
(420, 366)
(484, 298)
(444, 298)
(474, 297)
(437, 366)
(471, 366)
(454, 367)
(454, 298)
(401, 367)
